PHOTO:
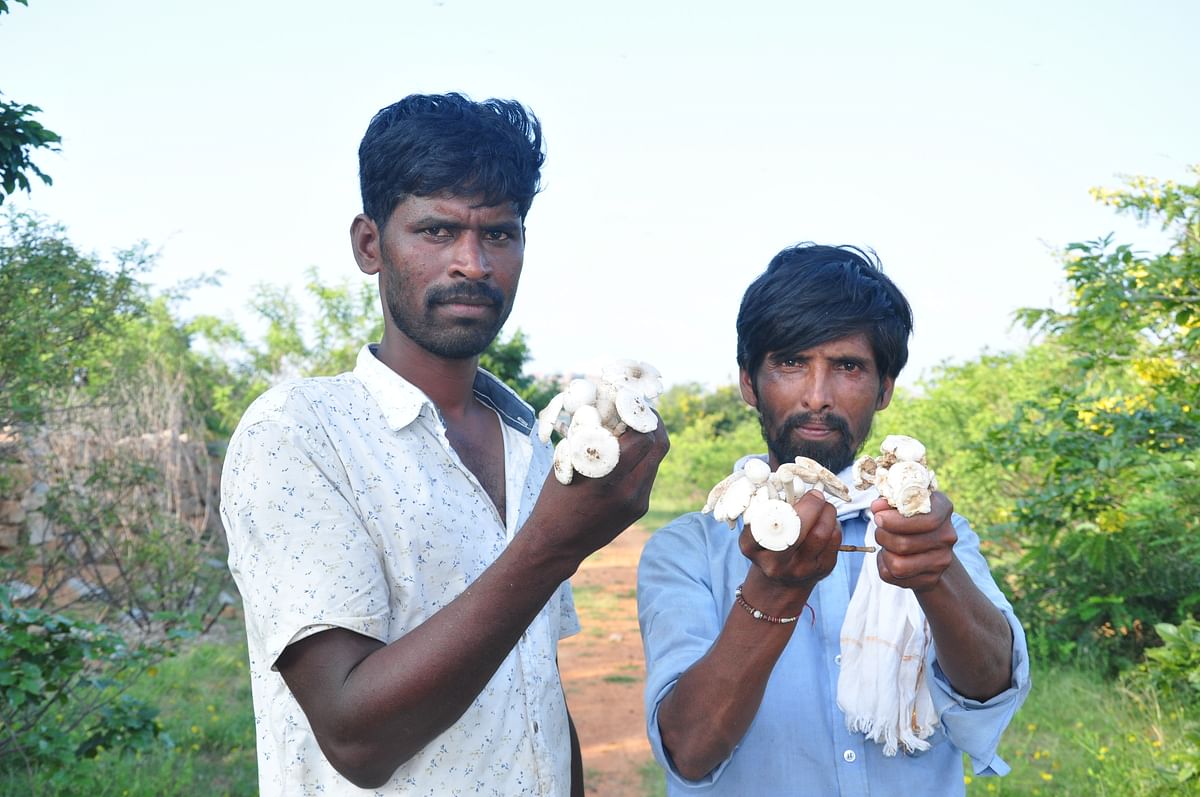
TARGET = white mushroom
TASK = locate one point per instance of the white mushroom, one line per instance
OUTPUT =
(606, 404)
(906, 486)
(579, 392)
(587, 415)
(719, 489)
(864, 471)
(903, 448)
(594, 450)
(634, 411)
(548, 417)
(756, 470)
(899, 473)
(563, 470)
(641, 377)
(815, 473)
(587, 406)
(774, 524)
(735, 500)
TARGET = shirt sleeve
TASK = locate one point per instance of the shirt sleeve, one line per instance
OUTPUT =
(679, 621)
(975, 727)
(302, 558)
(568, 620)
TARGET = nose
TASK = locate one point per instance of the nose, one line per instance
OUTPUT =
(470, 259)
(817, 391)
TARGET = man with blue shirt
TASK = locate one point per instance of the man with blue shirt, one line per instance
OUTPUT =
(743, 644)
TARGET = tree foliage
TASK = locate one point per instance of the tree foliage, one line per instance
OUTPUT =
(59, 309)
(20, 135)
(1109, 531)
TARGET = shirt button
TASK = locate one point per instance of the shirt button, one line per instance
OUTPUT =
(838, 659)
(849, 756)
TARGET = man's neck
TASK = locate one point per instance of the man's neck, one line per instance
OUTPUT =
(448, 383)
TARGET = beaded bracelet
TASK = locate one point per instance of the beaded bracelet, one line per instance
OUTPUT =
(759, 615)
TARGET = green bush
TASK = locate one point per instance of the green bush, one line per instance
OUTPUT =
(61, 689)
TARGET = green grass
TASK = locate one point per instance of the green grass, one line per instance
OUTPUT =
(654, 782)
(1078, 734)
(595, 602)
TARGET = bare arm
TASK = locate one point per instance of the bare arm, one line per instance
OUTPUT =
(708, 711)
(373, 706)
(974, 641)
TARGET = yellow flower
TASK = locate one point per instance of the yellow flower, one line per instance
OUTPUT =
(1047, 776)
(967, 779)
(1031, 727)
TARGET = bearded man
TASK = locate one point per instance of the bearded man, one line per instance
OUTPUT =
(743, 644)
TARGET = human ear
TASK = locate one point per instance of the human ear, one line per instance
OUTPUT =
(885, 393)
(747, 386)
(365, 243)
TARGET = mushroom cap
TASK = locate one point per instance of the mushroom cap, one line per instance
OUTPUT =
(563, 470)
(906, 486)
(757, 471)
(774, 524)
(735, 499)
(719, 489)
(634, 411)
(578, 393)
(903, 448)
(606, 404)
(594, 450)
(548, 417)
(639, 376)
(587, 415)
(865, 471)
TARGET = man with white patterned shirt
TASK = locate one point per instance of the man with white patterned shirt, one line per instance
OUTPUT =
(400, 552)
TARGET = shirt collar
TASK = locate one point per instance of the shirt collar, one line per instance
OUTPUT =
(401, 401)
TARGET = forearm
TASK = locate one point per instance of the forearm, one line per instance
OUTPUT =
(712, 705)
(394, 699)
(974, 640)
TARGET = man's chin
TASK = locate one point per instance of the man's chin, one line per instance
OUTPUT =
(834, 455)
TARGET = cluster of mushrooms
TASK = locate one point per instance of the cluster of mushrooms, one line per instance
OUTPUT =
(591, 414)
(764, 499)
(900, 473)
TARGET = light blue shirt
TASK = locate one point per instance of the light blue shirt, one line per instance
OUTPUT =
(798, 744)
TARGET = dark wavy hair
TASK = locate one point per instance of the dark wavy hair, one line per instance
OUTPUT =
(812, 294)
(427, 144)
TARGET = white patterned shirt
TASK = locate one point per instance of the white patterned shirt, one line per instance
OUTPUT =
(346, 506)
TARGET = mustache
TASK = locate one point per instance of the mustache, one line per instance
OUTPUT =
(830, 421)
(469, 292)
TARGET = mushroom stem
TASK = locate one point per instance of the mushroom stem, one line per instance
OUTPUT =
(857, 548)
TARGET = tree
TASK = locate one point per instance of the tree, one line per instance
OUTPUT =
(20, 135)
(58, 309)
(1109, 528)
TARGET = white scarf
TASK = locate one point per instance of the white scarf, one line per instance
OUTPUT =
(882, 687)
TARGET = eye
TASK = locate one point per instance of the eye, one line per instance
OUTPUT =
(438, 232)
(852, 366)
(497, 235)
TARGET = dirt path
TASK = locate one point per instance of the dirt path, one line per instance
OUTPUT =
(603, 671)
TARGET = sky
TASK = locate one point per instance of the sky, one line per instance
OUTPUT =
(687, 143)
